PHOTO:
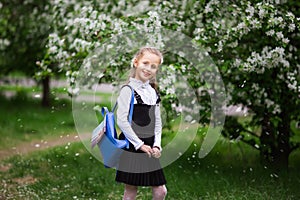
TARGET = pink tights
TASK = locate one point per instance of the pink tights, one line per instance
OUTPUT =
(158, 192)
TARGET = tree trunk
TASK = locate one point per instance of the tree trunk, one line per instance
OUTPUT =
(275, 147)
(267, 140)
(281, 154)
(46, 91)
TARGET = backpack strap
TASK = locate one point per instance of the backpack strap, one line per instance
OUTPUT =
(158, 97)
(131, 104)
(104, 110)
(138, 98)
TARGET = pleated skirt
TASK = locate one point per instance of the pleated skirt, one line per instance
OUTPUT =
(136, 168)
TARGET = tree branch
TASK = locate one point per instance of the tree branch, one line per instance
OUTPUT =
(250, 132)
(251, 142)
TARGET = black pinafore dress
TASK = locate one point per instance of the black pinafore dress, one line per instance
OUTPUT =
(135, 167)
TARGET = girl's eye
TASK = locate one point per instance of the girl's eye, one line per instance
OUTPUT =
(153, 66)
(145, 63)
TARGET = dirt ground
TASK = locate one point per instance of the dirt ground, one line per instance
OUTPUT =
(27, 147)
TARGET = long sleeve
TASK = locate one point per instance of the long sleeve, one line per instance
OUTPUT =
(158, 128)
(122, 117)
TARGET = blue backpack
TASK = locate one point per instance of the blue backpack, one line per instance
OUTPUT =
(106, 137)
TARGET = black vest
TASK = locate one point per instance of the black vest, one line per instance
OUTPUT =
(143, 119)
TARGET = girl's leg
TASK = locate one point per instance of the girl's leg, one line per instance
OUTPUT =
(130, 192)
(159, 192)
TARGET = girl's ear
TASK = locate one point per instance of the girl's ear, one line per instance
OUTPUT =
(135, 62)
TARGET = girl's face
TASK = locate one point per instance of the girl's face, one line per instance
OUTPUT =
(146, 66)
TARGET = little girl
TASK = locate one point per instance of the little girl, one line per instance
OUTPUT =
(139, 165)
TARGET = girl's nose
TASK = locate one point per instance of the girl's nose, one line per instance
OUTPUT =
(147, 67)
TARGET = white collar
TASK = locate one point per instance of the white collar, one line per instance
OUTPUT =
(138, 83)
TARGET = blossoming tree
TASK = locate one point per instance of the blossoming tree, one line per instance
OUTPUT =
(253, 44)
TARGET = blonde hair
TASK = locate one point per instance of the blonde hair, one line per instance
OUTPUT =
(139, 54)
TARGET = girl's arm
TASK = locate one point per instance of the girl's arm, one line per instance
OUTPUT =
(158, 128)
(122, 117)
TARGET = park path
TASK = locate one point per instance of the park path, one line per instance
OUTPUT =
(37, 145)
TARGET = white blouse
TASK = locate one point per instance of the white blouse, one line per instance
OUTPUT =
(149, 96)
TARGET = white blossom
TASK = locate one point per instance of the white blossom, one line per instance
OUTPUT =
(208, 8)
(279, 35)
(290, 15)
(270, 32)
(285, 40)
(170, 91)
(4, 43)
(53, 49)
(255, 23)
(261, 12)
(250, 10)
(269, 103)
(292, 27)
(276, 109)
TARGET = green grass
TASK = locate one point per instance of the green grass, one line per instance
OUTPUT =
(23, 119)
(70, 172)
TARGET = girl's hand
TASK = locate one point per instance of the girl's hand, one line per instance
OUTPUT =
(156, 152)
(147, 149)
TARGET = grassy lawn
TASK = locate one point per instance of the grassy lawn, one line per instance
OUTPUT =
(231, 171)
(70, 172)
